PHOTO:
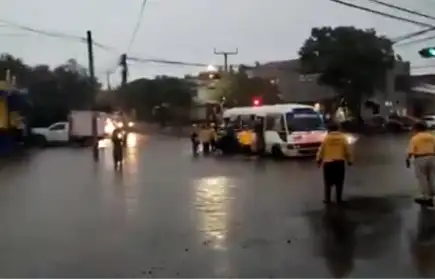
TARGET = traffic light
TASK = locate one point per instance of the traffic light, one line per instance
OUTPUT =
(427, 52)
(256, 101)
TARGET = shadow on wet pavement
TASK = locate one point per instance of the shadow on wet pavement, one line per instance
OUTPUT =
(166, 215)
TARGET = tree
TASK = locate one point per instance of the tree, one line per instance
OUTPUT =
(352, 61)
(145, 95)
(52, 93)
(240, 89)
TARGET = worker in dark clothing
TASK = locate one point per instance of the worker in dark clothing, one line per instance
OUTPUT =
(259, 136)
(333, 154)
(228, 142)
(118, 143)
(194, 138)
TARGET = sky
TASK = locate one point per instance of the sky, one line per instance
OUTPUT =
(189, 30)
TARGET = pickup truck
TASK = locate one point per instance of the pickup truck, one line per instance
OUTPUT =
(78, 129)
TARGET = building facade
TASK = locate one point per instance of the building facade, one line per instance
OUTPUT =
(296, 87)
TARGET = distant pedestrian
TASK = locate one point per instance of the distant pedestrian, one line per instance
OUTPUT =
(333, 154)
(205, 136)
(259, 136)
(118, 150)
(422, 150)
(194, 139)
(213, 137)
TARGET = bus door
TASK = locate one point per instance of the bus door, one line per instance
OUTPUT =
(275, 129)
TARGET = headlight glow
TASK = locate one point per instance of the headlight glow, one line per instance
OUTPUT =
(130, 124)
(351, 139)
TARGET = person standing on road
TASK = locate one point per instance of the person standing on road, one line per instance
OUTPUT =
(246, 140)
(205, 135)
(213, 137)
(194, 140)
(422, 149)
(259, 136)
(333, 154)
(118, 150)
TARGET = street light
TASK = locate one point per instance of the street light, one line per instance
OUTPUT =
(211, 68)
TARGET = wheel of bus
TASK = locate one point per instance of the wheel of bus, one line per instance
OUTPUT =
(277, 152)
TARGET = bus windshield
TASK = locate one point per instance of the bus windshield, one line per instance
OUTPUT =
(307, 120)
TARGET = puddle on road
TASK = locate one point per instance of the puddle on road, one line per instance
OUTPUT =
(212, 204)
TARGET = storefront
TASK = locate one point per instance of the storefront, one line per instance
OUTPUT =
(13, 104)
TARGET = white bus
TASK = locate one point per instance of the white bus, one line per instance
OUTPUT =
(289, 129)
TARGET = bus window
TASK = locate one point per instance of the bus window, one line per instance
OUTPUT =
(280, 124)
(304, 121)
(248, 120)
(270, 123)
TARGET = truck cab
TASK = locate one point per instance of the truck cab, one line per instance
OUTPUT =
(55, 133)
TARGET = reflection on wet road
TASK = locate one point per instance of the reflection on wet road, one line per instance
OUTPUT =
(169, 215)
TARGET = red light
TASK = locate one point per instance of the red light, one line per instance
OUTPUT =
(256, 102)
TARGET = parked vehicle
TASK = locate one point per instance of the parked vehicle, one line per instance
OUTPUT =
(396, 123)
(77, 130)
(429, 120)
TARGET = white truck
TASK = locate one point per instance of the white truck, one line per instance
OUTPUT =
(77, 129)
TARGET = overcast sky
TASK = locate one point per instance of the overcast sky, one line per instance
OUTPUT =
(188, 30)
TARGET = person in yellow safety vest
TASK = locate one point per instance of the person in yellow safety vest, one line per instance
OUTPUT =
(422, 149)
(246, 139)
(333, 154)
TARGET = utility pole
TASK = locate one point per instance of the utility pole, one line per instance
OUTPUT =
(124, 75)
(109, 86)
(124, 68)
(225, 54)
(95, 153)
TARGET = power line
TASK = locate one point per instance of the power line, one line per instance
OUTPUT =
(412, 35)
(54, 34)
(416, 41)
(164, 61)
(427, 25)
(138, 23)
(402, 9)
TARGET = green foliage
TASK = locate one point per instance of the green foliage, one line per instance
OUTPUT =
(52, 92)
(353, 61)
(145, 95)
(239, 89)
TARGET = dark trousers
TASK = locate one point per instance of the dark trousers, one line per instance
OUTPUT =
(206, 148)
(118, 154)
(213, 145)
(333, 175)
(246, 150)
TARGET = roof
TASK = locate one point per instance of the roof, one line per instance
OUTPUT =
(263, 110)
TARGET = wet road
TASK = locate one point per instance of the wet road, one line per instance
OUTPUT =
(168, 215)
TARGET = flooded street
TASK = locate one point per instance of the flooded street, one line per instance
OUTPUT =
(169, 215)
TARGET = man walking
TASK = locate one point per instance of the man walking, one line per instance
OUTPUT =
(333, 154)
(422, 150)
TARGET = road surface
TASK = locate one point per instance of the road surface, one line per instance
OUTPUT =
(168, 215)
